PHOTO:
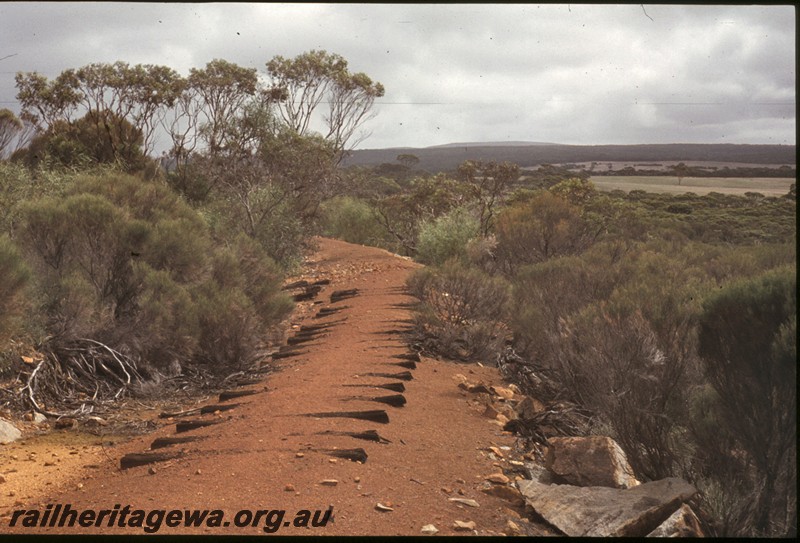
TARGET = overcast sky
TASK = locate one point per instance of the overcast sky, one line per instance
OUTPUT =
(563, 73)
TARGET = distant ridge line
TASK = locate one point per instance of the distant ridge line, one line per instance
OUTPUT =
(448, 157)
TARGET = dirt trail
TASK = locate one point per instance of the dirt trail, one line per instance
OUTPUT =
(264, 456)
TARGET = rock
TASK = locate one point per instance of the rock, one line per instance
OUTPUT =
(429, 529)
(512, 528)
(497, 451)
(8, 432)
(502, 419)
(464, 501)
(151, 470)
(2, 479)
(329, 482)
(538, 473)
(463, 526)
(490, 412)
(505, 492)
(498, 478)
(289, 488)
(589, 461)
(682, 523)
(477, 388)
(607, 512)
(507, 410)
(39, 418)
(299, 455)
(528, 407)
(505, 393)
(383, 508)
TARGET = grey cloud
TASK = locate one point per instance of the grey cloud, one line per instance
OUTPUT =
(569, 73)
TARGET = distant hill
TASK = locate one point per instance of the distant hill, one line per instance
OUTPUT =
(448, 157)
(489, 144)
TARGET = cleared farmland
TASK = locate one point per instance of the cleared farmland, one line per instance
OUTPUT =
(699, 185)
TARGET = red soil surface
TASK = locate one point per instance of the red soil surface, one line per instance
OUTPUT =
(265, 456)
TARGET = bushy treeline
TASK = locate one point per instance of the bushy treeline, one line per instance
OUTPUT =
(117, 259)
(115, 263)
(670, 319)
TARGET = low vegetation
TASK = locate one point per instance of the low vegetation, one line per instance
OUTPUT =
(668, 320)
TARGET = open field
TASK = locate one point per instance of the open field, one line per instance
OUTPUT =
(698, 185)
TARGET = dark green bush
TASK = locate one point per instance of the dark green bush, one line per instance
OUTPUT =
(125, 262)
(747, 341)
(464, 311)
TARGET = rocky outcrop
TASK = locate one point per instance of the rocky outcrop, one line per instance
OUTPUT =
(602, 511)
(589, 461)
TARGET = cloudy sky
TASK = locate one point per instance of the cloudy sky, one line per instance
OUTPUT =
(563, 73)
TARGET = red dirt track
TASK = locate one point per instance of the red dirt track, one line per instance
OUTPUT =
(438, 443)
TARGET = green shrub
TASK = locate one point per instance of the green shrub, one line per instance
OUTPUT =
(14, 277)
(352, 220)
(446, 237)
(464, 311)
(747, 341)
(125, 262)
(544, 227)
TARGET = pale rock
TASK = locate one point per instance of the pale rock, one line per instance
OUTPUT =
(329, 482)
(498, 478)
(682, 523)
(512, 528)
(39, 418)
(589, 461)
(505, 393)
(606, 512)
(8, 432)
(429, 529)
(497, 451)
(463, 526)
(383, 508)
(465, 501)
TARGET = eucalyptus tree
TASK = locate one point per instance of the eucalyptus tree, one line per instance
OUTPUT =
(222, 90)
(299, 87)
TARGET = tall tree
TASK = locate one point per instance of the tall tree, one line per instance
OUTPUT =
(223, 88)
(488, 182)
(43, 101)
(299, 86)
